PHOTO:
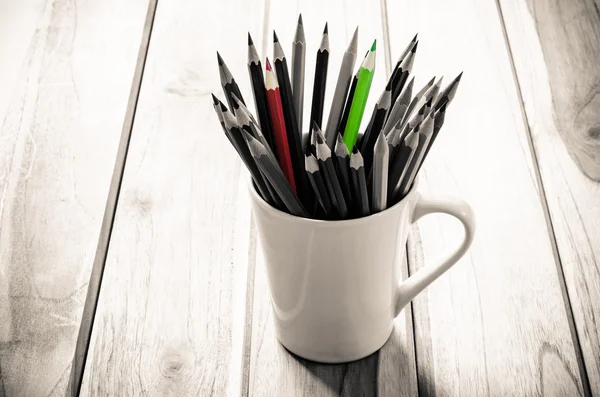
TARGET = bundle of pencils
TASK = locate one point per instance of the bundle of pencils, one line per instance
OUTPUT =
(333, 172)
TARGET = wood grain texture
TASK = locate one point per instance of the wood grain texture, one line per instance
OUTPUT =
(273, 370)
(568, 34)
(496, 323)
(171, 314)
(571, 197)
(65, 84)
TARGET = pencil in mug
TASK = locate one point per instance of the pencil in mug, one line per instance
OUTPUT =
(425, 133)
(298, 61)
(233, 133)
(291, 122)
(274, 175)
(404, 68)
(380, 174)
(399, 107)
(341, 90)
(359, 183)
(316, 180)
(318, 97)
(228, 83)
(279, 128)
(382, 106)
(328, 169)
(363, 85)
(342, 166)
(400, 162)
(257, 81)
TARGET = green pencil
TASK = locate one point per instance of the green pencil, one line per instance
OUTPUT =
(365, 77)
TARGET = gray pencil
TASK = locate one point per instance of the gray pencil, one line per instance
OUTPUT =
(416, 99)
(298, 60)
(427, 95)
(425, 133)
(341, 90)
(274, 175)
(380, 174)
(399, 108)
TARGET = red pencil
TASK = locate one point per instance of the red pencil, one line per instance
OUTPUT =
(279, 131)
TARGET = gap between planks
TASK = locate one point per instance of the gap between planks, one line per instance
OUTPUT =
(95, 283)
(547, 216)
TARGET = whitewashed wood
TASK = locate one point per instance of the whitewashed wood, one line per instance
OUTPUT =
(496, 323)
(572, 198)
(273, 370)
(566, 37)
(171, 313)
(65, 83)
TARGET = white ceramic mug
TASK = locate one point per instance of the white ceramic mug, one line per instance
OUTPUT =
(335, 285)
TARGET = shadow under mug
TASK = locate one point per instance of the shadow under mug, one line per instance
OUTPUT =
(335, 285)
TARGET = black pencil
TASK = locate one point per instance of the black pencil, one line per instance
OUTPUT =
(257, 82)
(237, 104)
(236, 138)
(291, 124)
(438, 122)
(228, 83)
(404, 69)
(328, 169)
(316, 180)
(248, 123)
(342, 163)
(447, 95)
(217, 107)
(399, 107)
(275, 176)
(400, 162)
(318, 97)
(359, 183)
(382, 106)
(425, 133)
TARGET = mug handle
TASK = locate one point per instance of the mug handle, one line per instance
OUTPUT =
(415, 284)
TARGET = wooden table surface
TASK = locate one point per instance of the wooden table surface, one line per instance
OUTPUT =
(106, 130)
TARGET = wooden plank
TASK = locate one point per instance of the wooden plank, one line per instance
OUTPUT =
(171, 313)
(566, 37)
(65, 81)
(274, 371)
(572, 198)
(496, 324)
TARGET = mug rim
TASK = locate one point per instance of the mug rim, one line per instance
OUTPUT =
(321, 222)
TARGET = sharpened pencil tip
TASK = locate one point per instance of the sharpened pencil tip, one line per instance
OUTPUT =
(374, 46)
(275, 38)
(326, 30)
(414, 49)
(250, 42)
(300, 19)
(415, 38)
(215, 99)
(457, 79)
(268, 63)
(219, 59)
(353, 46)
